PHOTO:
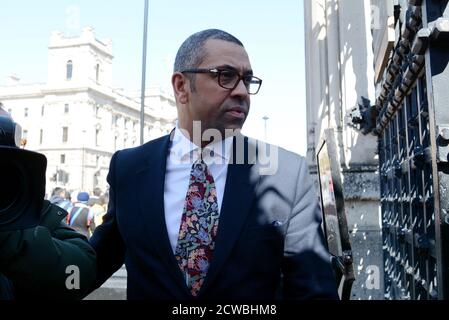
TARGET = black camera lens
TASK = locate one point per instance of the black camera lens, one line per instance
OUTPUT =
(22, 180)
(11, 186)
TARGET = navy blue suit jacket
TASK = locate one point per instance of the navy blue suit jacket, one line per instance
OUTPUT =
(269, 243)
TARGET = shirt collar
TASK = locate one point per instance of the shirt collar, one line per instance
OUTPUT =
(183, 149)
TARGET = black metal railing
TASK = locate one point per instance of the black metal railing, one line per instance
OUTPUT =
(408, 216)
(412, 124)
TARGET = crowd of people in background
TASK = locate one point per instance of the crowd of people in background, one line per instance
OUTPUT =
(85, 211)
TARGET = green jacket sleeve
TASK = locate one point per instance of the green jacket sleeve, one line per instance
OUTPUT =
(48, 261)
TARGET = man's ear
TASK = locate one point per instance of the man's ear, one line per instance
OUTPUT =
(180, 87)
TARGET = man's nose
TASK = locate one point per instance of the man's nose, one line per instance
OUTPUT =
(240, 90)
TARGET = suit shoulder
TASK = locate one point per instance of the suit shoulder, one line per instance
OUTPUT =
(291, 161)
(284, 163)
(290, 155)
(283, 154)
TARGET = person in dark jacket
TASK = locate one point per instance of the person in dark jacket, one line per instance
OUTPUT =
(195, 219)
(42, 259)
(49, 261)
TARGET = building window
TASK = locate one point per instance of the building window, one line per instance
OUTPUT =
(97, 134)
(115, 120)
(66, 108)
(26, 112)
(62, 158)
(69, 70)
(42, 110)
(97, 161)
(41, 136)
(65, 134)
(65, 177)
(97, 72)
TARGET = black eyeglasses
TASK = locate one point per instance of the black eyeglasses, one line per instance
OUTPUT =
(229, 79)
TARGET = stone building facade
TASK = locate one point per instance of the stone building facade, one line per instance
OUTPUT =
(340, 75)
(76, 119)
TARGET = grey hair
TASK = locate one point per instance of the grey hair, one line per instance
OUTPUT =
(191, 53)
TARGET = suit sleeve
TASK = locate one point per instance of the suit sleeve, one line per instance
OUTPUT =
(307, 272)
(107, 240)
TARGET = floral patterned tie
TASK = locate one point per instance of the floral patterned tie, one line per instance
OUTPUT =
(198, 228)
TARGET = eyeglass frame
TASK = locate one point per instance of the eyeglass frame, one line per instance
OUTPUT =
(218, 72)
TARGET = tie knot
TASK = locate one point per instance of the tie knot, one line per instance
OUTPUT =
(199, 161)
(199, 170)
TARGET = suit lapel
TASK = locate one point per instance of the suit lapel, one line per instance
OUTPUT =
(238, 197)
(152, 206)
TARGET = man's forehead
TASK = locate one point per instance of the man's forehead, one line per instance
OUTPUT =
(221, 52)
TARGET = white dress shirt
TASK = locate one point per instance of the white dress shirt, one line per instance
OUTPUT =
(183, 153)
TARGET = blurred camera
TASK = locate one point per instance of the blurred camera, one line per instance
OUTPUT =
(22, 180)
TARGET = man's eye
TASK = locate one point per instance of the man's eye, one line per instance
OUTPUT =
(228, 74)
(228, 78)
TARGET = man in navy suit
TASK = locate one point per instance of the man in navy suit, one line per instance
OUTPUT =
(205, 213)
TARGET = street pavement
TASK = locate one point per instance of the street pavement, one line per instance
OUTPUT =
(113, 289)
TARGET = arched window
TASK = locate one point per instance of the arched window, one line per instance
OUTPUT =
(69, 70)
(97, 72)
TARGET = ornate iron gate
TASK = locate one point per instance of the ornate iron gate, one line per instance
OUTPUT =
(411, 119)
